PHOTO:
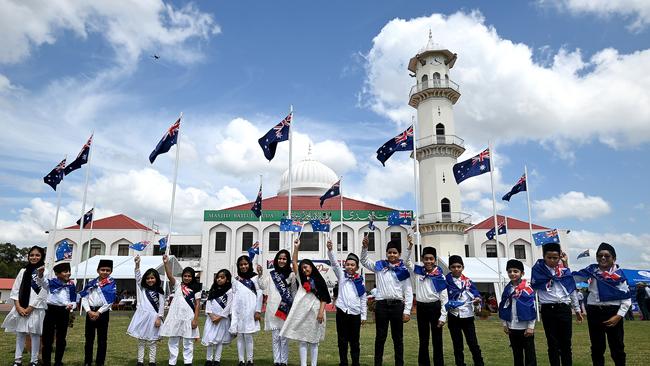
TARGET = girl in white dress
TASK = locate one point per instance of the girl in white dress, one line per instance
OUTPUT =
(217, 323)
(306, 320)
(30, 302)
(183, 316)
(146, 322)
(246, 309)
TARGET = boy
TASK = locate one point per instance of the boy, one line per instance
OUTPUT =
(608, 301)
(351, 306)
(517, 312)
(431, 300)
(463, 295)
(96, 300)
(394, 299)
(556, 288)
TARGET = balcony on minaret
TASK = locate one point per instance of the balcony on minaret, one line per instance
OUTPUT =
(445, 217)
(434, 88)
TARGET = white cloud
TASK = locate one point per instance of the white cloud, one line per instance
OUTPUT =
(572, 205)
(638, 10)
(632, 250)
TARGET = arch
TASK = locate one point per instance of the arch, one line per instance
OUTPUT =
(521, 249)
(445, 209)
(349, 240)
(71, 243)
(97, 247)
(388, 233)
(377, 238)
(244, 239)
(486, 245)
(271, 244)
(440, 133)
(425, 81)
(219, 244)
(119, 244)
(436, 79)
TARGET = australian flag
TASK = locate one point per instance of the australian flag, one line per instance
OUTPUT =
(168, 140)
(88, 217)
(472, 167)
(583, 254)
(334, 191)
(401, 142)
(502, 230)
(400, 218)
(163, 243)
(371, 222)
(55, 177)
(64, 251)
(257, 205)
(81, 159)
(139, 246)
(279, 133)
(546, 237)
(320, 225)
(290, 225)
(519, 187)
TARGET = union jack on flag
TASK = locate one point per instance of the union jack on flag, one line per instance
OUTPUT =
(81, 159)
(285, 122)
(546, 237)
(55, 177)
(402, 137)
(279, 133)
(401, 142)
(168, 140)
(485, 154)
(472, 167)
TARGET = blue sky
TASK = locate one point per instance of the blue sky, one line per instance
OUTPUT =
(557, 85)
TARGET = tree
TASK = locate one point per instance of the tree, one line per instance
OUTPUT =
(12, 259)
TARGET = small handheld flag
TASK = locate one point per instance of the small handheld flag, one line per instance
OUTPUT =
(401, 142)
(55, 177)
(81, 159)
(163, 243)
(168, 140)
(546, 237)
(322, 225)
(290, 225)
(257, 205)
(140, 246)
(502, 230)
(64, 251)
(474, 166)
(400, 218)
(371, 222)
(278, 133)
(88, 217)
(334, 191)
(583, 254)
(519, 187)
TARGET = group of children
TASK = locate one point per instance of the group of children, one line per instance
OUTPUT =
(295, 307)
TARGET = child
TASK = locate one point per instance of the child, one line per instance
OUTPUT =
(246, 309)
(556, 289)
(183, 315)
(146, 322)
(518, 314)
(608, 301)
(217, 322)
(62, 299)
(26, 317)
(463, 295)
(431, 297)
(280, 287)
(96, 299)
(306, 320)
(394, 298)
(351, 306)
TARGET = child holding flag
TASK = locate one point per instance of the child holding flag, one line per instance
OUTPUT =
(217, 322)
(246, 309)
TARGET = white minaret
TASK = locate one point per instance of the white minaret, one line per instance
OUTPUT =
(442, 222)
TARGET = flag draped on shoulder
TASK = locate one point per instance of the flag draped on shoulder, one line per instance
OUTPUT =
(334, 191)
(546, 237)
(519, 187)
(64, 251)
(257, 205)
(55, 177)
(401, 142)
(502, 230)
(81, 159)
(88, 217)
(168, 140)
(278, 133)
(400, 218)
(472, 167)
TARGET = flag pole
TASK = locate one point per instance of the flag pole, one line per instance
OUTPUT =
(259, 227)
(530, 219)
(494, 210)
(505, 217)
(83, 210)
(90, 238)
(51, 252)
(416, 183)
(341, 225)
(171, 210)
(290, 175)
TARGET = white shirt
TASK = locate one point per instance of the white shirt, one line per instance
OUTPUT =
(647, 291)
(424, 291)
(348, 299)
(466, 310)
(95, 298)
(388, 286)
(593, 299)
(515, 323)
(558, 294)
(58, 298)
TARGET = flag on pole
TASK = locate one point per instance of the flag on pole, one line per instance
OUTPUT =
(502, 230)
(163, 243)
(474, 166)
(371, 222)
(64, 251)
(290, 225)
(278, 133)
(140, 246)
(400, 218)
(401, 142)
(88, 217)
(334, 191)
(519, 187)
(257, 205)
(583, 254)
(168, 140)
(322, 225)
(546, 237)
(81, 159)
(55, 177)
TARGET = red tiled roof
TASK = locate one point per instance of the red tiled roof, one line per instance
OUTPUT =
(115, 222)
(311, 203)
(6, 283)
(513, 224)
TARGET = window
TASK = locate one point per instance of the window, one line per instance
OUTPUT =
(445, 207)
(246, 240)
(95, 249)
(436, 79)
(309, 242)
(274, 241)
(440, 133)
(157, 251)
(123, 250)
(371, 241)
(491, 250)
(186, 251)
(425, 81)
(466, 250)
(344, 247)
(220, 241)
(520, 251)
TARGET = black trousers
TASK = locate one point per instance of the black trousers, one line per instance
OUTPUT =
(101, 327)
(523, 348)
(348, 329)
(56, 321)
(389, 312)
(458, 327)
(428, 316)
(558, 329)
(596, 315)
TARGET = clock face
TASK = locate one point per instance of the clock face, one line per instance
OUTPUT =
(436, 61)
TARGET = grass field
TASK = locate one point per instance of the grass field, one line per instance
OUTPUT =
(494, 344)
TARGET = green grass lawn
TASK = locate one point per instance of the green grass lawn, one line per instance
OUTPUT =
(494, 344)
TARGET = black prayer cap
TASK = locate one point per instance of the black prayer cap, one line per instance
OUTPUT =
(514, 263)
(394, 244)
(105, 263)
(61, 266)
(607, 247)
(456, 259)
(551, 247)
(429, 250)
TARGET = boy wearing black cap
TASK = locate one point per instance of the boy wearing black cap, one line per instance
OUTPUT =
(431, 298)
(394, 298)
(517, 313)
(556, 288)
(96, 300)
(608, 301)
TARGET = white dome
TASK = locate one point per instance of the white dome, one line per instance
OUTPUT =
(310, 178)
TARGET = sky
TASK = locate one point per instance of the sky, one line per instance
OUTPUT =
(561, 86)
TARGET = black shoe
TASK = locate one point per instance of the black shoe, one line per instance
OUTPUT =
(152, 364)
(241, 363)
(17, 363)
(208, 363)
(216, 363)
(139, 364)
(249, 363)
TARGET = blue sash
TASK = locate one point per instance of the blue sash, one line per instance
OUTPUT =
(523, 297)
(107, 286)
(57, 285)
(542, 278)
(248, 283)
(153, 298)
(400, 270)
(358, 283)
(222, 300)
(281, 285)
(34, 284)
(437, 278)
(188, 294)
(607, 282)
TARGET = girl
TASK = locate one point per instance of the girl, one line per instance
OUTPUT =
(306, 322)
(145, 324)
(183, 316)
(26, 317)
(246, 309)
(217, 309)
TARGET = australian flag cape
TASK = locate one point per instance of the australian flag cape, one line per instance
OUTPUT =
(280, 282)
(358, 283)
(188, 294)
(523, 297)
(107, 286)
(222, 300)
(455, 291)
(248, 283)
(57, 285)
(400, 269)
(611, 284)
(437, 278)
(542, 278)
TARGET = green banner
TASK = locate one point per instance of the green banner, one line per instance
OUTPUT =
(301, 215)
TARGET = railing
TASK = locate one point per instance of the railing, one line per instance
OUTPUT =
(440, 217)
(441, 140)
(434, 83)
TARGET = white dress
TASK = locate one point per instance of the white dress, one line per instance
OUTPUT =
(302, 323)
(144, 319)
(33, 323)
(178, 322)
(272, 322)
(244, 306)
(218, 333)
